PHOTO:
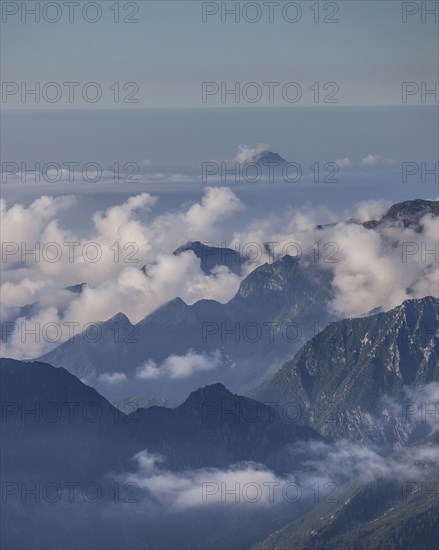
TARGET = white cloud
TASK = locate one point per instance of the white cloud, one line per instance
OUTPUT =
(112, 378)
(248, 483)
(19, 294)
(30, 336)
(371, 210)
(124, 237)
(216, 205)
(149, 371)
(253, 484)
(246, 153)
(179, 366)
(370, 271)
(370, 161)
(26, 224)
(344, 163)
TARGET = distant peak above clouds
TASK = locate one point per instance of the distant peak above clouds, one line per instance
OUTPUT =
(260, 154)
(268, 157)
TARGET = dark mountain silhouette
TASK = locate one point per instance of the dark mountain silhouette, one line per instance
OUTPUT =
(268, 157)
(213, 256)
(276, 309)
(53, 424)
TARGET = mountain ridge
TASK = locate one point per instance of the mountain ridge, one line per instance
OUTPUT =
(348, 362)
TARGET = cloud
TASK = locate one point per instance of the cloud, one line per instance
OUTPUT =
(31, 335)
(250, 482)
(418, 405)
(372, 271)
(371, 210)
(17, 295)
(179, 366)
(323, 465)
(370, 161)
(23, 224)
(343, 163)
(369, 268)
(108, 258)
(343, 460)
(112, 378)
(369, 273)
(247, 154)
(149, 371)
(216, 205)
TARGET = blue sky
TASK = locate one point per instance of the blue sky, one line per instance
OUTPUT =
(170, 52)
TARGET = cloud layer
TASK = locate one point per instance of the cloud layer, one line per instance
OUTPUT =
(41, 257)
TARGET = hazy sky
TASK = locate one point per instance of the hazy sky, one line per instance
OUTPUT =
(170, 52)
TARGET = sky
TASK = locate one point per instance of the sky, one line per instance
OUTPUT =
(170, 148)
(366, 49)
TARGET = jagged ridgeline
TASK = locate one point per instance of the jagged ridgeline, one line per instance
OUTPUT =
(288, 301)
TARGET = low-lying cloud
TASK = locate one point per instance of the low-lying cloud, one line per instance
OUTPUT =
(327, 468)
(179, 366)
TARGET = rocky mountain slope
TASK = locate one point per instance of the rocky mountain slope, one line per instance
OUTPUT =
(363, 378)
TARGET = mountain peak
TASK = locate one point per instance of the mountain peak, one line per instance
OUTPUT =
(76, 289)
(426, 300)
(406, 213)
(349, 361)
(119, 318)
(417, 306)
(411, 304)
(195, 246)
(213, 393)
(267, 157)
(212, 256)
(412, 206)
(168, 314)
